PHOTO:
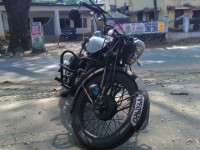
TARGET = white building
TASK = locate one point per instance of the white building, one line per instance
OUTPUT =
(43, 12)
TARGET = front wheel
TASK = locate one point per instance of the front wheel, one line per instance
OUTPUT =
(109, 126)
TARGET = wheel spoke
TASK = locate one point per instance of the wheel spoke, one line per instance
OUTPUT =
(105, 128)
(102, 129)
(108, 128)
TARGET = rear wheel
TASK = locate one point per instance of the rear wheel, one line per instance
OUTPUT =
(108, 126)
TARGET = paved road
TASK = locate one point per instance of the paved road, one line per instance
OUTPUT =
(43, 125)
(185, 57)
(31, 68)
(16, 69)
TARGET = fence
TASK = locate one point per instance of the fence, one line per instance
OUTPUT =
(49, 33)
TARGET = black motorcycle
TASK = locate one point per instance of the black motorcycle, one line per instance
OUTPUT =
(68, 34)
(111, 102)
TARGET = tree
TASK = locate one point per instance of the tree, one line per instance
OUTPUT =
(155, 10)
(17, 11)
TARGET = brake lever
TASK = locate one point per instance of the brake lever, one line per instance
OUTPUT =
(140, 64)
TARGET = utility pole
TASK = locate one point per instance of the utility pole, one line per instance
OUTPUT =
(155, 10)
(94, 21)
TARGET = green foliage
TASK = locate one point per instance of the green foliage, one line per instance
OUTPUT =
(44, 1)
(55, 1)
(71, 1)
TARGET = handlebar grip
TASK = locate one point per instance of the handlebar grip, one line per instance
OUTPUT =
(94, 9)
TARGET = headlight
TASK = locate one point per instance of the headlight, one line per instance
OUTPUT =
(135, 51)
(140, 46)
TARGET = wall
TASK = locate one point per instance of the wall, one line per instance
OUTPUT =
(193, 2)
(85, 30)
(119, 3)
(173, 2)
(142, 4)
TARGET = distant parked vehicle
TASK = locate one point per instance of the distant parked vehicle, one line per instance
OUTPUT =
(68, 34)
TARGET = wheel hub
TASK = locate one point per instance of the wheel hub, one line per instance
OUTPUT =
(107, 109)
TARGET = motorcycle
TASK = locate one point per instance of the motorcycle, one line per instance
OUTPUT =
(69, 34)
(110, 102)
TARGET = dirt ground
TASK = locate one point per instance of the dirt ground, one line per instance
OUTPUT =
(175, 104)
(35, 118)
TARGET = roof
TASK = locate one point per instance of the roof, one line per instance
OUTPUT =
(117, 15)
(53, 4)
(146, 9)
(178, 7)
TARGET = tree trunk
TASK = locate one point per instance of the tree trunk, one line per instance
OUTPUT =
(155, 10)
(17, 11)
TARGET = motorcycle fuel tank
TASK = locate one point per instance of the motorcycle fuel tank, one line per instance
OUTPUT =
(95, 44)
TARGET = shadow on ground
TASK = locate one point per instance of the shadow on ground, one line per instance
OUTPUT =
(68, 140)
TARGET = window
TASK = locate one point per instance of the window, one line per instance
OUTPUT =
(140, 16)
(64, 23)
(196, 14)
(43, 20)
(150, 16)
(178, 13)
(80, 24)
(196, 20)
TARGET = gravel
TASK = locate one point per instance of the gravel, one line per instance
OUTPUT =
(10, 91)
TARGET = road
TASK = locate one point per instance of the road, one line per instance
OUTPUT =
(172, 77)
(187, 57)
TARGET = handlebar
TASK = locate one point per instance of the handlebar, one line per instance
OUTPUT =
(98, 10)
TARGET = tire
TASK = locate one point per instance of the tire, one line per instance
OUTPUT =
(100, 137)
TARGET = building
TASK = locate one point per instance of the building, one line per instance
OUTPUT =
(143, 10)
(123, 6)
(51, 12)
(56, 13)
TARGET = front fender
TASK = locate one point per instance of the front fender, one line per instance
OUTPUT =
(143, 120)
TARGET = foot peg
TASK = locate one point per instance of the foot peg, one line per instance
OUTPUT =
(58, 79)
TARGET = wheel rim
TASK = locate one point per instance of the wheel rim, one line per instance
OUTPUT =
(103, 129)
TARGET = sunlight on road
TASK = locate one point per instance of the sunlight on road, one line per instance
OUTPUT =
(197, 56)
(183, 47)
(153, 62)
(47, 68)
(9, 107)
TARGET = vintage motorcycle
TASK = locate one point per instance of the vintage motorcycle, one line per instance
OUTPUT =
(111, 102)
